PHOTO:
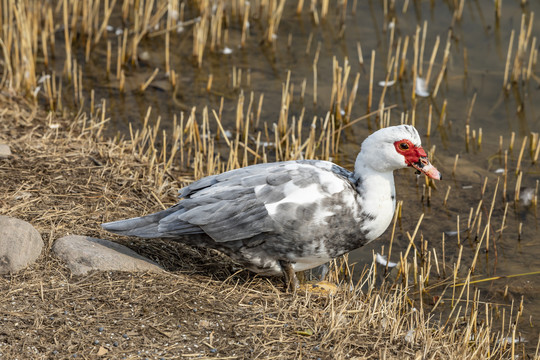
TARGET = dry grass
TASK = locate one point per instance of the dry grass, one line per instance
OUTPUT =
(64, 178)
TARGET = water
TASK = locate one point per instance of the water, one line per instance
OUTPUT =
(475, 70)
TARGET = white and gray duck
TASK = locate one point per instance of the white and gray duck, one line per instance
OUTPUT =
(286, 217)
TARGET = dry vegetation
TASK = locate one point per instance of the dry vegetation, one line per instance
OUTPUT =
(66, 177)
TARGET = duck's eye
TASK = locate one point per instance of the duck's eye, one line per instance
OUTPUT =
(404, 146)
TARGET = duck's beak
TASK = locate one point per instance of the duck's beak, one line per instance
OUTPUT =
(424, 166)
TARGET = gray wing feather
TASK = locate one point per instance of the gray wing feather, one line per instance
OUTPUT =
(225, 206)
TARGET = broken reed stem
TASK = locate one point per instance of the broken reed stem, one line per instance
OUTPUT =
(149, 81)
(512, 140)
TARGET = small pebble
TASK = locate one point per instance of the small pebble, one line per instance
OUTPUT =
(96, 342)
(125, 336)
(100, 329)
(5, 151)
(316, 348)
(194, 310)
(115, 344)
(55, 352)
(250, 302)
(213, 351)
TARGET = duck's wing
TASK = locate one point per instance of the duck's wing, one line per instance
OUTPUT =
(271, 199)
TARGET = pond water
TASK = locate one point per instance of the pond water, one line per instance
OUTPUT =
(472, 92)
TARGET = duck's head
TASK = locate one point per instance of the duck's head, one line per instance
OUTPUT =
(393, 148)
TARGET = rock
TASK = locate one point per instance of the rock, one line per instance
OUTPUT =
(83, 254)
(20, 244)
(5, 151)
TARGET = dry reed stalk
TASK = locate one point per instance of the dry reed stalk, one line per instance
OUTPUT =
(430, 115)
(121, 86)
(364, 117)
(458, 13)
(520, 157)
(422, 47)
(415, 74)
(386, 81)
(533, 144)
(371, 74)
(209, 83)
(455, 164)
(444, 63)
(471, 107)
(484, 186)
(309, 41)
(275, 12)
(411, 244)
(467, 136)
(531, 61)
(477, 215)
(360, 55)
(465, 63)
(488, 224)
(479, 142)
(403, 62)
(505, 174)
(149, 80)
(446, 196)
(396, 212)
(518, 187)
(508, 56)
(67, 38)
(432, 59)
(512, 140)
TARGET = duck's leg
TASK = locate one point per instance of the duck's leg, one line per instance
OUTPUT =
(291, 281)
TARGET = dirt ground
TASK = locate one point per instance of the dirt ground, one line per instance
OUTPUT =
(65, 179)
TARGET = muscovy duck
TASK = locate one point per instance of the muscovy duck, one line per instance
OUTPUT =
(285, 217)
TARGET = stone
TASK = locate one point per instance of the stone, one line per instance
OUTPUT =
(20, 244)
(83, 254)
(5, 151)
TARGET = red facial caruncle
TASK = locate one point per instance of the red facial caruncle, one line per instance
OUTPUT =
(416, 157)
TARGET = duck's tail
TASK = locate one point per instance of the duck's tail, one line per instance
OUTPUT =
(160, 224)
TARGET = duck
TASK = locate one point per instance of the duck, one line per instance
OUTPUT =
(285, 217)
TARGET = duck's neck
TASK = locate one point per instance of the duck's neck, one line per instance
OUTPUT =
(377, 198)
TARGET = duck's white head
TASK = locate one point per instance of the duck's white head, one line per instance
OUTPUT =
(393, 148)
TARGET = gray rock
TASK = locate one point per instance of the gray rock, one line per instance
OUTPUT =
(20, 244)
(83, 254)
(5, 151)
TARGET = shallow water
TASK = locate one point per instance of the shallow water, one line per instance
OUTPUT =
(475, 69)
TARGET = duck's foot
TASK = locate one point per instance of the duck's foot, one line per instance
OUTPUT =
(291, 281)
(320, 287)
